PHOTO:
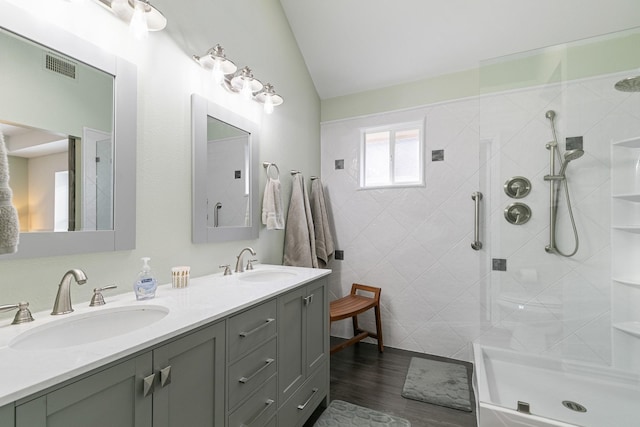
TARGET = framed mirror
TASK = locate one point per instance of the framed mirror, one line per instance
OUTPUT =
(225, 182)
(68, 116)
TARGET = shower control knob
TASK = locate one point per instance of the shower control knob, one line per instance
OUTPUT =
(517, 187)
(517, 213)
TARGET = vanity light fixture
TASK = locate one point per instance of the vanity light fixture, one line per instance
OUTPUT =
(240, 81)
(140, 14)
(218, 62)
(269, 98)
(243, 82)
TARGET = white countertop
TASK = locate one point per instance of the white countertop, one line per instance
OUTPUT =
(206, 299)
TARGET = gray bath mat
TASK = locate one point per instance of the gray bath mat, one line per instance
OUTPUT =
(440, 383)
(345, 414)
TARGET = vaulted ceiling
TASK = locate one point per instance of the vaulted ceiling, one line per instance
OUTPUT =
(351, 46)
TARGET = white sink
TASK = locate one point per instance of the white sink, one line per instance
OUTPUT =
(266, 275)
(88, 327)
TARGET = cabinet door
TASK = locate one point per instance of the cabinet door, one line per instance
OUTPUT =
(190, 387)
(317, 324)
(7, 415)
(112, 397)
(291, 347)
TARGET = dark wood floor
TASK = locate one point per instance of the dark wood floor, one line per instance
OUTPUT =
(363, 376)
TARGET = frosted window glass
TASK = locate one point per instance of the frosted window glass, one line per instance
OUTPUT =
(392, 156)
(377, 159)
(407, 156)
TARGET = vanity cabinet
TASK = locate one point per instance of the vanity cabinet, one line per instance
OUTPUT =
(303, 345)
(265, 365)
(7, 415)
(252, 356)
(93, 400)
(159, 388)
(190, 385)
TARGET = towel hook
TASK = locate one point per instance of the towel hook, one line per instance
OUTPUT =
(294, 172)
(267, 165)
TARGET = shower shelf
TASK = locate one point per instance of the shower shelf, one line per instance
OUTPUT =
(628, 228)
(630, 143)
(630, 197)
(631, 328)
(628, 282)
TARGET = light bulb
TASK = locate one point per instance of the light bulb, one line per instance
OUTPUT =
(218, 74)
(118, 6)
(246, 91)
(268, 104)
(138, 25)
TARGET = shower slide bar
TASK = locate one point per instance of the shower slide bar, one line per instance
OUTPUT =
(476, 245)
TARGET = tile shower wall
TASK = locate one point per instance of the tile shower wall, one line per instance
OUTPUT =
(438, 294)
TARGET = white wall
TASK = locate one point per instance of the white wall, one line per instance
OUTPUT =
(438, 294)
(167, 76)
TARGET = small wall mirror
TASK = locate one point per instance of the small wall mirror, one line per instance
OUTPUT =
(225, 189)
(68, 116)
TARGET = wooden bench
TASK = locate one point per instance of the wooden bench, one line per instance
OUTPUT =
(352, 305)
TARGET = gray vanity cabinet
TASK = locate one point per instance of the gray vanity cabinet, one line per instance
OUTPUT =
(190, 385)
(7, 415)
(178, 383)
(111, 397)
(303, 346)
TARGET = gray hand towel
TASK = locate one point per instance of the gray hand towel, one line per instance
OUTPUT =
(9, 226)
(324, 240)
(299, 235)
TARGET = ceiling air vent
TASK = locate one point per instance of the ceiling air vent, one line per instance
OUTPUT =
(60, 65)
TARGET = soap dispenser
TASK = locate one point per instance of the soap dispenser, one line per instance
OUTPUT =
(145, 285)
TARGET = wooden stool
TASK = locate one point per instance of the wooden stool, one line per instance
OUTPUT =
(352, 305)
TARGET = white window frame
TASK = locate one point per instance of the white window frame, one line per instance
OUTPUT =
(393, 129)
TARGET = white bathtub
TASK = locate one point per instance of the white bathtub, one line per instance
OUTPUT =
(503, 377)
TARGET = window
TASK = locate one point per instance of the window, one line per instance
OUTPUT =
(392, 156)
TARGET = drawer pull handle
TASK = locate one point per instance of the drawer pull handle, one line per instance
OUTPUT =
(148, 385)
(253, 331)
(304, 405)
(268, 404)
(308, 299)
(245, 380)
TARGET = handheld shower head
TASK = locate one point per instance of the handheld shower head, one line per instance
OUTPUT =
(550, 114)
(569, 156)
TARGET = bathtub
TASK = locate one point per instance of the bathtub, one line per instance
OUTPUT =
(503, 377)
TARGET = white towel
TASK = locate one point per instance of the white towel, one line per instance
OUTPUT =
(9, 225)
(272, 215)
(324, 240)
(299, 237)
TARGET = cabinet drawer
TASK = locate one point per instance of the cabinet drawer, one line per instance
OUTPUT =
(251, 371)
(305, 400)
(259, 409)
(251, 328)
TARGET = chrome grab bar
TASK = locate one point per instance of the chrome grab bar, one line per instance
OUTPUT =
(216, 214)
(476, 245)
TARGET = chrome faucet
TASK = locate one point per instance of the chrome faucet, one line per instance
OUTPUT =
(239, 266)
(63, 298)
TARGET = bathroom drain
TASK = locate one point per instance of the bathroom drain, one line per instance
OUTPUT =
(574, 406)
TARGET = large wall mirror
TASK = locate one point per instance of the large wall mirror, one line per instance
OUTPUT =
(68, 116)
(225, 190)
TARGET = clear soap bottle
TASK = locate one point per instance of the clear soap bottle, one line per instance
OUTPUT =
(145, 285)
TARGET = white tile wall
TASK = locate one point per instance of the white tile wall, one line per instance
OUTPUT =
(438, 294)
